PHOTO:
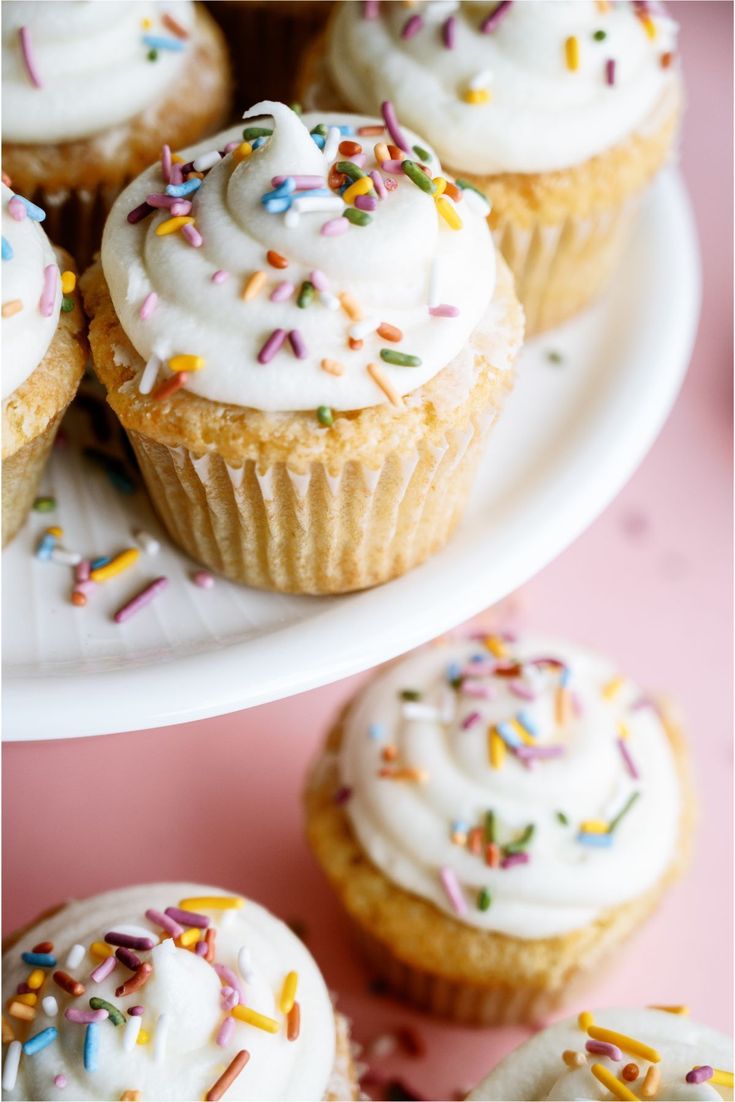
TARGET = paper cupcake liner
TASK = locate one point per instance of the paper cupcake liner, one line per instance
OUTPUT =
(318, 531)
(21, 474)
(559, 268)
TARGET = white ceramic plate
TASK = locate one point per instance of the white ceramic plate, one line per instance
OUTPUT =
(572, 434)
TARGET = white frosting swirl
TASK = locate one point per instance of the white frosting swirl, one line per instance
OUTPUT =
(26, 333)
(187, 990)
(540, 115)
(92, 62)
(385, 267)
(536, 1070)
(412, 830)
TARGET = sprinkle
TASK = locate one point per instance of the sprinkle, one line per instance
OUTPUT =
(627, 1044)
(253, 285)
(11, 1065)
(220, 276)
(476, 96)
(160, 42)
(623, 811)
(604, 1048)
(293, 1023)
(288, 994)
(98, 949)
(165, 922)
(37, 978)
(496, 749)
(14, 306)
(271, 346)
(444, 311)
(449, 32)
(573, 1059)
(40, 1040)
(253, 1017)
(29, 60)
(651, 1082)
(85, 1017)
(148, 376)
(610, 71)
(671, 1009)
(512, 859)
(400, 359)
(722, 1078)
(115, 566)
(207, 160)
(523, 841)
(282, 291)
(229, 1076)
(494, 18)
(613, 1084)
(630, 1073)
(17, 208)
(448, 212)
(103, 970)
(612, 687)
(7, 250)
(178, 191)
(571, 53)
(598, 841)
(148, 306)
(192, 235)
(171, 225)
(170, 386)
(160, 1038)
(306, 295)
(333, 228)
(451, 887)
(276, 260)
(187, 917)
(391, 125)
(18, 1009)
(412, 26)
(350, 306)
(325, 416)
(332, 367)
(68, 983)
(700, 1074)
(357, 217)
(484, 899)
(212, 903)
(241, 152)
(50, 1006)
(648, 24)
(132, 1030)
(135, 982)
(48, 294)
(359, 187)
(629, 763)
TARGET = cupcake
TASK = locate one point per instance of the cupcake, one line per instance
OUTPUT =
(656, 1053)
(307, 353)
(44, 352)
(496, 817)
(171, 991)
(560, 113)
(90, 90)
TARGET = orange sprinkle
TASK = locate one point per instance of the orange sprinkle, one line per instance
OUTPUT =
(253, 286)
(293, 1022)
(68, 983)
(14, 306)
(492, 855)
(389, 332)
(355, 343)
(8, 1031)
(397, 154)
(630, 1073)
(406, 774)
(170, 386)
(389, 753)
(666, 59)
(6, 179)
(21, 1011)
(370, 131)
(350, 306)
(382, 380)
(174, 26)
(130, 1096)
(275, 259)
(474, 841)
(454, 192)
(210, 937)
(332, 367)
(349, 149)
(573, 1059)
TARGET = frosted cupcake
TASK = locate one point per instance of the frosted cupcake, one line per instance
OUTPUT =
(307, 353)
(90, 90)
(656, 1053)
(560, 113)
(169, 991)
(44, 351)
(496, 818)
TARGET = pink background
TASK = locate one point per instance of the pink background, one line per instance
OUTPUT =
(650, 583)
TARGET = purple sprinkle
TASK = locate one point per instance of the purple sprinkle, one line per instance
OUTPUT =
(265, 356)
(334, 227)
(129, 941)
(378, 183)
(160, 202)
(342, 794)
(512, 859)
(201, 948)
(604, 1048)
(282, 291)
(391, 124)
(443, 310)
(188, 918)
(297, 344)
(148, 305)
(188, 167)
(700, 1075)
(137, 1011)
(449, 32)
(224, 1034)
(366, 202)
(470, 720)
(359, 159)
(220, 276)
(392, 166)
(102, 971)
(177, 176)
(629, 763)
(139, 213)
(319, 280)
(84, 1017)
(531, 753)
(127, 957)
(412, 26)
(610, 71)
(192, 235)
(229, 977)
(495, 17)
(165, 922)
(166, 163)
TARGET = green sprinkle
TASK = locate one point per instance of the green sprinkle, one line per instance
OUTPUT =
(563, 819)
(489, 826)
(401, 359)
(297, 108)
(306, 294)
(67, 304)
(116, 1016)
(522, 842)
(484, 899)
(250, 133)
(349, 168)
(467, 186)
(325, 416)
(153, 55)
(418, 177)
(623, 811)
(44, 504)
(321, 129)
(410, 694)
(421, 153)
(554, 357)
(600, 36)
(357, 217)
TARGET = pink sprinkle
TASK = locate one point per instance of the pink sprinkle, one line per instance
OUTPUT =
(366, 202)
(392, 166)
(478, 690)
(166, 163)
(495, 17)
(453, 890)
(335, 227)
(165, 922)
(449, 32)
(60, 1081)
(371, 9)
(102, 971)
(378, 183)
(225, 1031)
(149, 304)
(228, 976)
(629, 763)
(201, 948)
(531, 753)
(140, 600)
(231, 999)
(204, 580)
(515, 859)
(610, 71)
(180, 206)
(192, 235)
(137, 1011)
(48, 295)
(17, 209)
(301, 183)
(220, 276)
(519, 688)
(271, 346)
(359, 159)
(391, 125)
(444, 311)
(160, 202)
(177, 176)
(85, 587)
(26, 49)
(282, 291)
(230, 146)
(412, 26)
(297, 344)
(604, 1048)
(470, 720)
(319, 280)
(81, 571)
(84, 1017)
(390, 184)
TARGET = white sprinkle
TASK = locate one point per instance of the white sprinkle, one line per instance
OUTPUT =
(148, 378)
(413, 710)
(329, 300)
(480, 80)
(292, 218)
(361, 328)
(331, 145)
(132, 1029)
(64, 557)
(75, 955)
(206, 160)
(146, 541)
(245, 964)
(434, 283)
(312, 203)
(160, 1037)
(11, 1065)
(50, 1006)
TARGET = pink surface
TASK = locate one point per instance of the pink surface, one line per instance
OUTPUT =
(650, 583)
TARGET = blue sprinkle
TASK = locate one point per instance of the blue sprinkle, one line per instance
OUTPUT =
(375, 731)
(316, 191)
(346, 129)
(40, 960)
(40, 1041)
(600, 840)
(258, 142)
(566, 673)
(8, 253)
(43, 552)
(477, 658)
(453, 671)
(278, 205)
(159, 42)
(97, 563)
(178, 191)
(319, 140)
(508, 735)
(527, 724)
(36, 214)
(91, 1046)
(458, 827)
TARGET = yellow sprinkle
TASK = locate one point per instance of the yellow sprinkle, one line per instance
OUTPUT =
(100, 950)
(186, 363)
(496, 749)
(522, 733)
(360, 187)
(381, 151)
(171, 225)
(381, 379)
(628, 1044)
(332, 367)
(440, 186)
(252, 1017)
(243, 150)
(130, 1096)
(603, 6)
(146, 24)
(448, 213)
(613, 1084)
(649, 25)
(288, 995)
(672, 1009)
(116, 566)
(350, 307)
(56, 531)
(253, 285)
(29, 998)
(177, 159)
(571, 51)
(68, 282)
(573, 1059)
(143, 1037)
(189, 937)
(722, 1078)
(496, 646)
(651, 1082)
(612, 688)
(213, 903)
(13, 306)
(623, 731)
(585, 1020)
(475, 96)
(36, 979)
(593, 826)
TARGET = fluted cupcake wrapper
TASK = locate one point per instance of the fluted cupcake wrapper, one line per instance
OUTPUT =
(21, 475)
(316, 531)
